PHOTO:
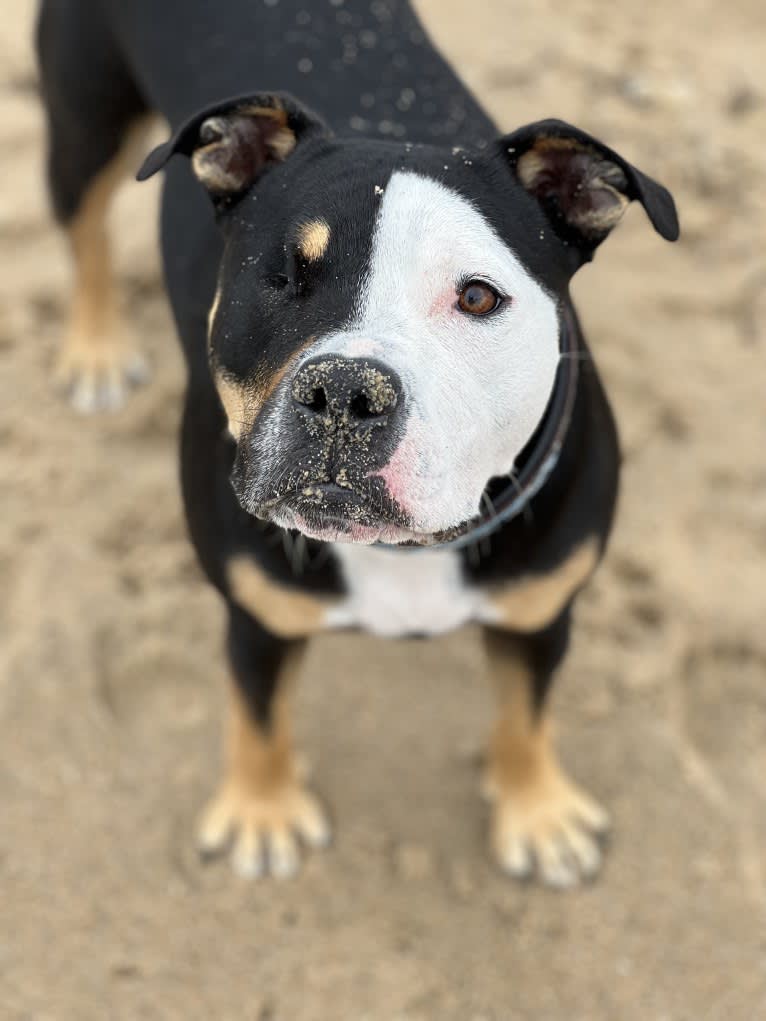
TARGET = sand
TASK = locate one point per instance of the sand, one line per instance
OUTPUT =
(111, 676)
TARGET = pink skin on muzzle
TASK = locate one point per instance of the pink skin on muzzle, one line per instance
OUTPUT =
(398, 474)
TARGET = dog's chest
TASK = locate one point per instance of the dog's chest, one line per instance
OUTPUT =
(403, 592)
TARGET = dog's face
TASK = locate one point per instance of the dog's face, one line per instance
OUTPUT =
(385, 333)
(380, 349)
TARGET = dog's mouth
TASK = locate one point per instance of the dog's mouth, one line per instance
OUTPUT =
(329, 512)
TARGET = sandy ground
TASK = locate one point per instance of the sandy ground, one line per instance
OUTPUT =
(111, 674)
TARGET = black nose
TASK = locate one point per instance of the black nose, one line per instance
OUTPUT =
(349, 391)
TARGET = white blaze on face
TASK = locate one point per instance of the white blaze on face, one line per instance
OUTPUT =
(476, 386)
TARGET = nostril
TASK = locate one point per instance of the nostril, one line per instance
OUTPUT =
(360, 407)
(342, 391)
(317, 400)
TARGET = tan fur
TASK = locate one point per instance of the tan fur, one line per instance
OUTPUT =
(261, 801)
(260, 762)
(283, 141)
(206, 163)
(519, 749)
(532, 602)
(606, 219)
(287, 612)
(529, 167)
(532, 164)
(313, 239)
(242, 401)
(95, 352)
(540, 818)
(210, 173)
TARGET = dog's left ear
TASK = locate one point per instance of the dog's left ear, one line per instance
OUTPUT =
(233, 142)
(582, 186)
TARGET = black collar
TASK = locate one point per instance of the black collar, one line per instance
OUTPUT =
(538, 464)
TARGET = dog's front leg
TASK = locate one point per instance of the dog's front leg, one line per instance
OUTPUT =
(262, 804)
(540, 819)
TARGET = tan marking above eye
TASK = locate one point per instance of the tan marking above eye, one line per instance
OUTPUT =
(313, 239)
(478, 298)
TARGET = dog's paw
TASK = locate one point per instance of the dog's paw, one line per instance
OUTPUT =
(547, 827)
(97, 375)
(266, 831)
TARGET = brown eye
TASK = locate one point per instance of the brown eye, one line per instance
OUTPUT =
(478, 298)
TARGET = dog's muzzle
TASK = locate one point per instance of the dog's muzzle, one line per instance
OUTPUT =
(341, 422)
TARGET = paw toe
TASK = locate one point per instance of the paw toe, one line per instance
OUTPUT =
(514, 855)
(554, 832)
(284, 855)
(90, 395)
(555, 866)
(137, 369)
(214, 829)
(266, 831)
(590, 814)
(312, 823)
(96, 379)
(248, 859)
(584, 849)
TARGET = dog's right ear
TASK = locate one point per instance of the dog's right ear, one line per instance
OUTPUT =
(582, 186)
(233, 142)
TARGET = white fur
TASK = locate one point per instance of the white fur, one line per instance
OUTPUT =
(392, 592)
(476, 387)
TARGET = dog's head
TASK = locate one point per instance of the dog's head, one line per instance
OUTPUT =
(385, 333)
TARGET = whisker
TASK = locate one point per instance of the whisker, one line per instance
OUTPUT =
(487, 499)
(288, 544)
(526, 510)
(298, 557)
(484, 545)
(473, 554)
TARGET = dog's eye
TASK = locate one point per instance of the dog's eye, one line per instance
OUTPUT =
(278, 281)
(478, 298)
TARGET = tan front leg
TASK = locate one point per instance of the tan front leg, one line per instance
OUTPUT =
(541, 821)
(262, 803)
(97, 363)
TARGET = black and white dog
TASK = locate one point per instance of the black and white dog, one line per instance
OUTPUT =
(391, 422)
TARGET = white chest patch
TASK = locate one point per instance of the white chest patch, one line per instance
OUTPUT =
(398, 592)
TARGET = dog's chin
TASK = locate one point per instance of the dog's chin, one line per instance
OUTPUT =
(332, 529)
(331, 514)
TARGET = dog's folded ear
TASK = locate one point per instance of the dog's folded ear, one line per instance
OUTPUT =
(582, 186)
(231, 143)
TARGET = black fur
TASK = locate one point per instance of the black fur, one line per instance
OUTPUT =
(106, 61)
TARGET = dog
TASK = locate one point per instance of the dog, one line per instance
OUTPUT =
(392, 421)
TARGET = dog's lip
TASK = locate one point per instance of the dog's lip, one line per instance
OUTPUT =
(323, 490)
(334, 489)
(299, 499)
(338, 504)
